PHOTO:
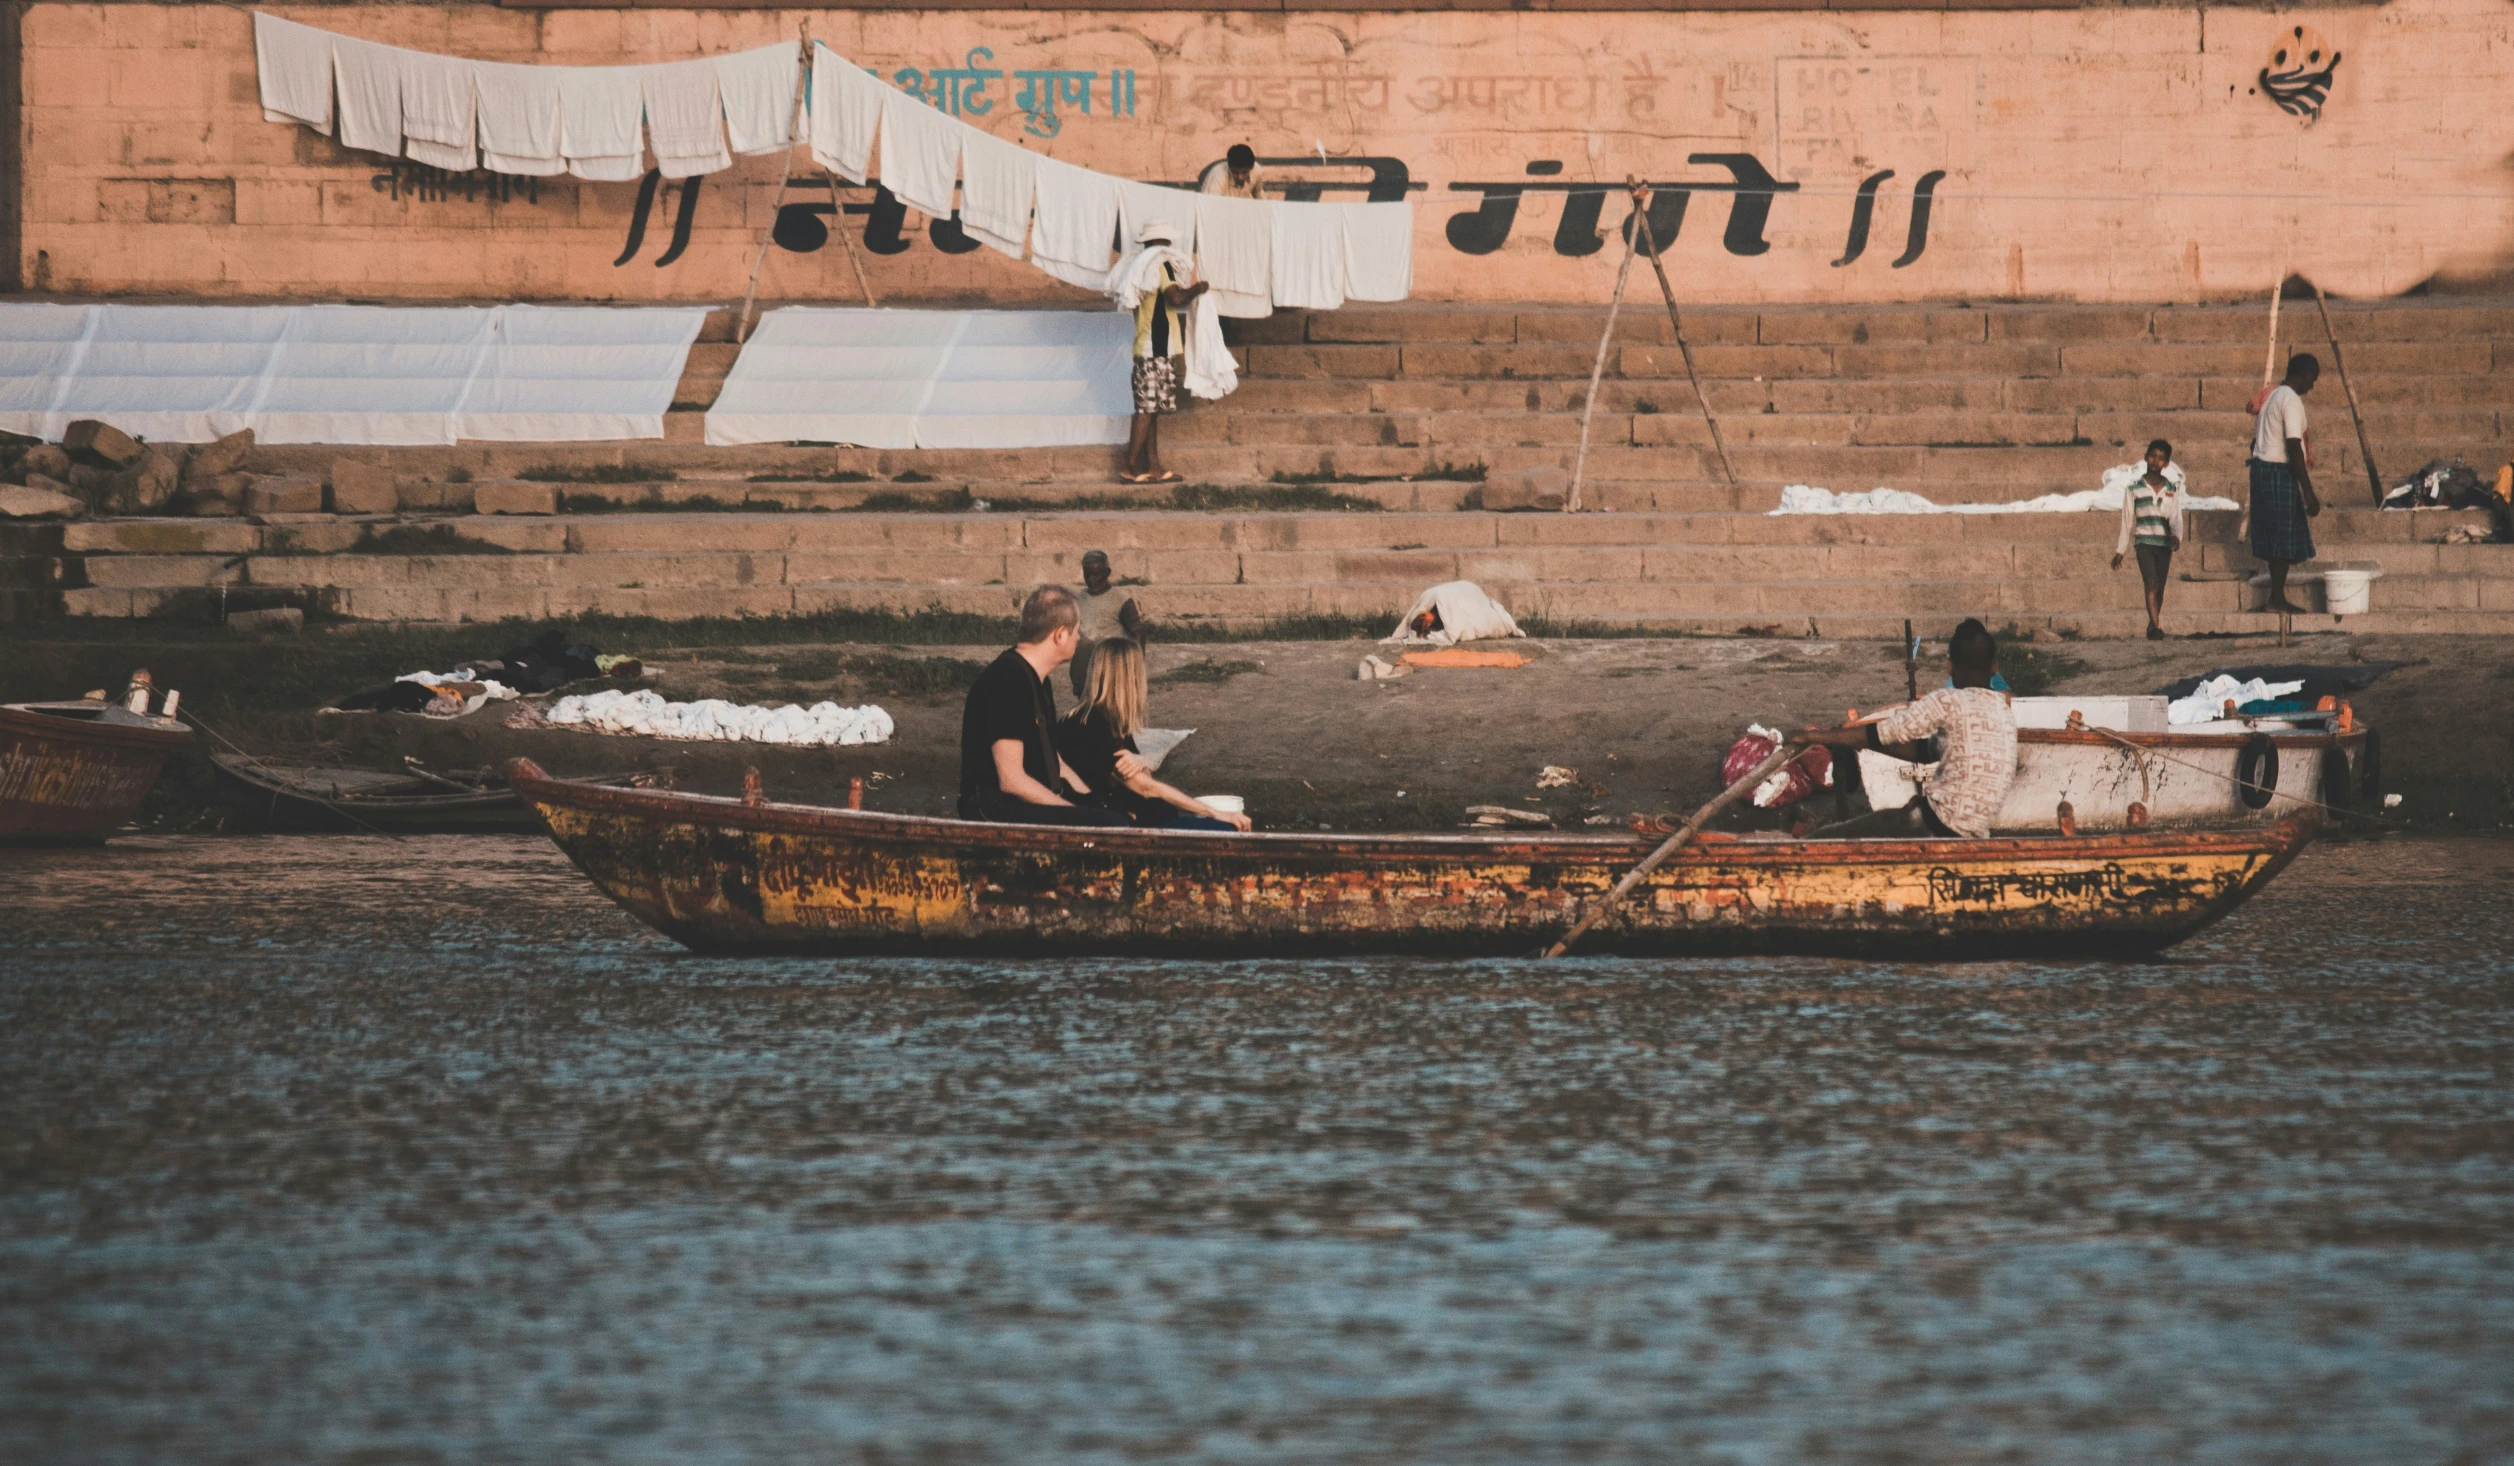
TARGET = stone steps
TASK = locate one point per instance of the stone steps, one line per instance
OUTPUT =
(1705, 571)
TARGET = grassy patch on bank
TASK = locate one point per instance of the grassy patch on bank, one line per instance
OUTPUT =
(835, 476)
(1208, 672)
(412, 539)
(1463, 473)
(653, 504)
(599, 473)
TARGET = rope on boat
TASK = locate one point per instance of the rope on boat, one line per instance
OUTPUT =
(2145, 753)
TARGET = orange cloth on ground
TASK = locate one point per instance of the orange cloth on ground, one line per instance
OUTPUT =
(1453, 656)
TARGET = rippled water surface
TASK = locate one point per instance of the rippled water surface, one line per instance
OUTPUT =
(375, 1151)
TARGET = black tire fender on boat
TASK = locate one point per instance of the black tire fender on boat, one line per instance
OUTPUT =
(2337, 788)
(2256, 771)
(2370, 770)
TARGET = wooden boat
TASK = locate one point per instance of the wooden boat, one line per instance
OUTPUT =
(723, 875)
(297, 797)
(71, 773)
(2230, 771)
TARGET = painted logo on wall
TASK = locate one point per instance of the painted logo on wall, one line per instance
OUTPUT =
(2298, 76)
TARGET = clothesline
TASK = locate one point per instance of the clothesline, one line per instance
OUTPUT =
(531, 121)
(1256, 254)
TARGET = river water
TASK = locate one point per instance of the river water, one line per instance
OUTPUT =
(356, 1150)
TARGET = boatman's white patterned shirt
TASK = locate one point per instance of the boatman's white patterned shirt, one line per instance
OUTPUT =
(1971, 781)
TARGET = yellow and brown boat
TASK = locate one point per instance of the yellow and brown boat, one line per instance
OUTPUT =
(727, 875)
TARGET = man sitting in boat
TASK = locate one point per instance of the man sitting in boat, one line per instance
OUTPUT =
(1009, 769)
(1961, 795)
(1101, 730)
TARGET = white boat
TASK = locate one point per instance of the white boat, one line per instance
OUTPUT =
(2119, 765)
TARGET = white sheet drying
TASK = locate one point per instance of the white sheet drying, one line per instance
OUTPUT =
(1308, 256)
(1800, 499)
(685, 117)
(344, 374)
(519, 120)
(846, 115)
(1077, 220)
(823, 724)
(920, 154)
(929, 379)
(758, 92)
(295, 63)
(1466, 614)
(998, 181)
(1235, 252)
(370, 81)
(440, 111)
(1378, 250)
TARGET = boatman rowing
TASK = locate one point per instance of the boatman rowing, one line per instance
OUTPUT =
(1961, 795)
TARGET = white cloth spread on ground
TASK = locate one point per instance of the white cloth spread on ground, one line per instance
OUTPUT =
(998, 181)
(295, 62)
(2207, 702)
(344, 374)
(1308, 256)
(846, 115)
(1466, 614)
(455, 113)
(920, 154)
(929, 379)
(822, 724)
(685, 116)
(1210, 371)
(1800, 499)
(1378, 250)
(519, 120)
(757, 88)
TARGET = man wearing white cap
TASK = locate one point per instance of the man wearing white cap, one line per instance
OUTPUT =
(1152, 274)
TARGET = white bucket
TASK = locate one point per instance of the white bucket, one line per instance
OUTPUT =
(1223, 803)
(2347, 592)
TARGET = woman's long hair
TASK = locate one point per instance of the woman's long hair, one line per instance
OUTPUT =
(1115, 685)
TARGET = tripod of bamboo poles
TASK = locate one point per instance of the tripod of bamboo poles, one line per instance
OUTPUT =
(1638, 236)
(785, 176)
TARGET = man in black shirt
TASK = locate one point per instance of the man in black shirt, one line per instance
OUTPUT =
(1009, 770)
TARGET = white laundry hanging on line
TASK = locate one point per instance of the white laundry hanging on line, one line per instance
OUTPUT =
(1077, 220)
(846, 115)
(295, 64)
(370, 79)
(600, 108)
(685, 118)
(1139, 204)
(519, 120)
(758, 88)
(998, 182)
(440, 111)
(1235, 252)
(1308, 257)
(1378, 250)
(929, 379)
(920, 154)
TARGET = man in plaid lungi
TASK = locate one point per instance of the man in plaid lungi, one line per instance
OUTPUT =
(2282, 480)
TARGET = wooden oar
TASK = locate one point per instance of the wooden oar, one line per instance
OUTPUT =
(1687, 831)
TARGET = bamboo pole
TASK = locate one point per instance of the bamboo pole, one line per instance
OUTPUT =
(838, 218)
(1656, 858)
(1649, 236)
(2269, 363)
(2365, 449)
(1597, 372)
(785, 173)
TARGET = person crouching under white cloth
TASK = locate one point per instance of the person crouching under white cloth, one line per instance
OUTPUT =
(1153, 281)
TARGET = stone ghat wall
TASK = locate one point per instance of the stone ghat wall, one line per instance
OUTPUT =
(2098, 155)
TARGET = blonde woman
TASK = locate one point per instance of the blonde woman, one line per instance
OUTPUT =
(1105, 723)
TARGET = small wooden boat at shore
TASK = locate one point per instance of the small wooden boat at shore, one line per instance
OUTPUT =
(72, 773)
(725, 875)
(317, 799)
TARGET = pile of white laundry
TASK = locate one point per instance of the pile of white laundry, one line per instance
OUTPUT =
(2207, 702)
(644, 712)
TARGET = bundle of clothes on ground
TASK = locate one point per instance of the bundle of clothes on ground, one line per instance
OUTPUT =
(648, 713)
(544, 664)
(2449, 483)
